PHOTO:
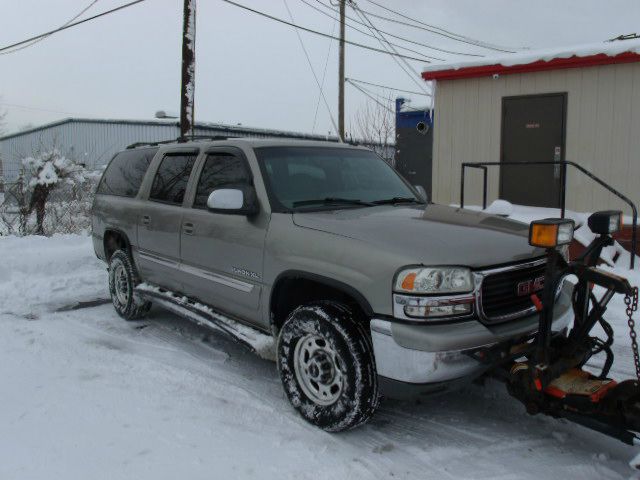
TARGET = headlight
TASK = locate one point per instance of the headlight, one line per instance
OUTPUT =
(605, 222)
(434, 280)
(430, 307)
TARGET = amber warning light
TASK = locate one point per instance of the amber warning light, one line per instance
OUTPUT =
(551, 232)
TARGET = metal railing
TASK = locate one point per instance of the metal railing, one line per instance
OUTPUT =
(563, 190)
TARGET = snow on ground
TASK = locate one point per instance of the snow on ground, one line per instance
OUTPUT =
(88, 395)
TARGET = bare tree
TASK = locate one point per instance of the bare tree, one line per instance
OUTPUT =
(374, 126)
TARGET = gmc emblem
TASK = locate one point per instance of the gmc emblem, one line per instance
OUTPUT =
(530, 286)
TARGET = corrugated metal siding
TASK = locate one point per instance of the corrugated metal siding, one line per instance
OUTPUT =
(603, 131)
(90, 143)
(94, 142)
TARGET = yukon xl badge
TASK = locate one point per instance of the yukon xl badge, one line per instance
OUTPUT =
(246, 273)
(530, 286)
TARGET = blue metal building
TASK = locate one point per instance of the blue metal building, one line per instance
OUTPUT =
(414, 143)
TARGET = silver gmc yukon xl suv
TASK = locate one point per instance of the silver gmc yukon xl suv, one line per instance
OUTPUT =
(324, 255)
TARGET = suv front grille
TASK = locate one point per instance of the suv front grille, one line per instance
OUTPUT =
(502, 299)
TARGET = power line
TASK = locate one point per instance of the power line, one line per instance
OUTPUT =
(433, 26)
(404, 39)
(75, 17)
(322, 34)
(73, 24)
(306, 54)
(364, 17)
(389, 88)
(368, 34)
(37, 109)
(368, 94)
(443, 34)
(382, 41)
(324, 75)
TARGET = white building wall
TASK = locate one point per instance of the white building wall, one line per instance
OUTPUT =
(603, 131)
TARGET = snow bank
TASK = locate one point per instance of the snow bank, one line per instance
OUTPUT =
(40, 274)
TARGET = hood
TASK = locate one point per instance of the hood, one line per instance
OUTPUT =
(431, 235)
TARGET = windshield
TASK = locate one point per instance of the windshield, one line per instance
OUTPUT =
(323, 177)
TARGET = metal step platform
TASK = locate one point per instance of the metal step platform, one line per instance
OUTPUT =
(259, 342)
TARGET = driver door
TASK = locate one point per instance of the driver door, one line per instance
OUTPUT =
(221, 253)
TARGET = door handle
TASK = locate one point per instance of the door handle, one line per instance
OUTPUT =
(188, 228)
(146, 220)
(412, 172)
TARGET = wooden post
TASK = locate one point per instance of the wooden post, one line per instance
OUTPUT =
(341, 73)
(187, 89)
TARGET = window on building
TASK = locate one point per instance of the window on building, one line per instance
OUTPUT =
(220, 171)
(170, 182)
(125, 172)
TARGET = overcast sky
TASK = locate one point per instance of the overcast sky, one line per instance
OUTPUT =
(249, 69)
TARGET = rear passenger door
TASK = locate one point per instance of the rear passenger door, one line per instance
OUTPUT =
(160, 220)
(222, 253)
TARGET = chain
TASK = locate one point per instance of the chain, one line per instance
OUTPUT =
(631, 301)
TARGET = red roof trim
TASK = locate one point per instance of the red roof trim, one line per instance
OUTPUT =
(540, 65)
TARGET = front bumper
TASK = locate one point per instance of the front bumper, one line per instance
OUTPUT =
(430, 354)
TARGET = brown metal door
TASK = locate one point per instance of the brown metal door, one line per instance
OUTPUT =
(533, 129)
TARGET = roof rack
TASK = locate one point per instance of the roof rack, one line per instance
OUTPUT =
(149, 144)
(191, 138)
(188, 138)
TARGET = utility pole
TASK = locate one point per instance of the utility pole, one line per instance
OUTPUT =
(341, 73)
(187, 89)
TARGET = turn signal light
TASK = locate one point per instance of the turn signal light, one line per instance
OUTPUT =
(551, 232)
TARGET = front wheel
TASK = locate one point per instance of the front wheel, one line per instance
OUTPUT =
(123, 278)
(327, 366)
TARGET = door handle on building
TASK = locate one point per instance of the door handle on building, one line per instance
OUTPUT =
(557, 156)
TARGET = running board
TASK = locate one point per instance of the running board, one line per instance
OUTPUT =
(257, 341)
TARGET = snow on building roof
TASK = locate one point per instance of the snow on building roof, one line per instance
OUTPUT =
(593, 54)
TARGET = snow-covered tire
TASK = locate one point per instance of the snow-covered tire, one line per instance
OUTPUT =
(327, 366)
(123, 278)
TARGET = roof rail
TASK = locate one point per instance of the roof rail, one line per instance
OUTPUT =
(149, 144)
(189, 138)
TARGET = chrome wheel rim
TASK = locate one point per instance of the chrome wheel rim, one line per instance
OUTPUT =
(319, 369)
(121, 284)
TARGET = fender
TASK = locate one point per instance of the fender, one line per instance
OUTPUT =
(329, 282)
(122, 235)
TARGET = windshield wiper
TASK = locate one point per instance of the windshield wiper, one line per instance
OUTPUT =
(396, 200)
(332, 201)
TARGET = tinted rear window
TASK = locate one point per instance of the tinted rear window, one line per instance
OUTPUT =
(125, 172)
(170, 182)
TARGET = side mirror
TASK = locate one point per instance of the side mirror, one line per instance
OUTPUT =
(423, 193)
(233, 201)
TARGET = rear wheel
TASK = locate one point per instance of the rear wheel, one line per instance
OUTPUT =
(123, 278)
(327, 366)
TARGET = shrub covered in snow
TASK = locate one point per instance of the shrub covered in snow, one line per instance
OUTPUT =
(57, 189)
